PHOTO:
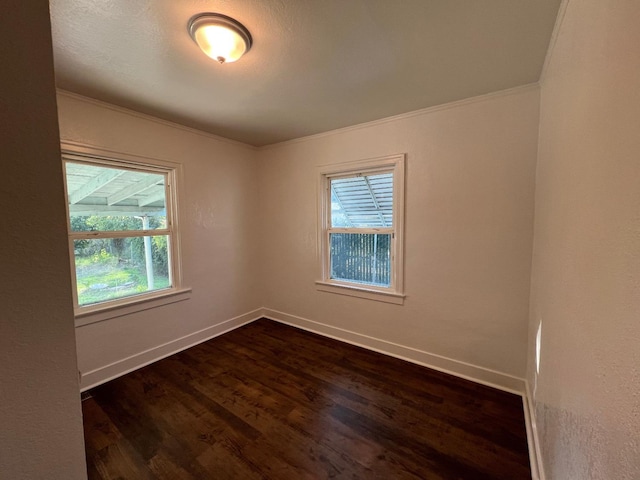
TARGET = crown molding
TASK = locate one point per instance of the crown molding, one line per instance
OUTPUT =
(562, 11)
(151, 118)
(414, 113)
(338, 131)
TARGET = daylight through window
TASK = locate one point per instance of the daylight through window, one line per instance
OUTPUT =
(361, 228)
(361, 222)
(121, 230)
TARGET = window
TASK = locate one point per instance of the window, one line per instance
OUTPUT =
(122, 230)
(361, 225)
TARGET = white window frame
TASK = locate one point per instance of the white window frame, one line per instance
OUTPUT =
(395, 292)
(87, 314)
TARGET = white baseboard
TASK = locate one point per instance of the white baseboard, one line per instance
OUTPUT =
(464, 370)
(484, 376)
(103, 374)
(535, 454)
(457, 368)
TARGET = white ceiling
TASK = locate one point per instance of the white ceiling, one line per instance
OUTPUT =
(315, 65)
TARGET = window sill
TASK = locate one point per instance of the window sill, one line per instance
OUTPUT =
(360, 292)
(127, 306)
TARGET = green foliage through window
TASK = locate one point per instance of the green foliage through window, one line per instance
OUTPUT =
(109, 268)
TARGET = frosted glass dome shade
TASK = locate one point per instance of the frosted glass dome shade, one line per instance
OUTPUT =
(220, 37)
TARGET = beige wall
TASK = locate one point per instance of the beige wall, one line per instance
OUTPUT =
(586, 264)
(248, 233)
(468, 243)
(40, 418)
(218, 212)
(469, 219)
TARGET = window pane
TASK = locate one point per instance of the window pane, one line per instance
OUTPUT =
(112, 268)
(362, 201)
(110, 199)
(361, 258)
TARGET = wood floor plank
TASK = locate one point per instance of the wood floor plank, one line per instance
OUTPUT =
(331, 433)
(384, 401)
(478, 416)
(268, 401)
(259, 409)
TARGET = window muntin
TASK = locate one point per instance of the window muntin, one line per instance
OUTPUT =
(121, 229)
(361, 225)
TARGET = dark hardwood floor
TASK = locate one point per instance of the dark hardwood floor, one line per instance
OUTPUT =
(268, 401)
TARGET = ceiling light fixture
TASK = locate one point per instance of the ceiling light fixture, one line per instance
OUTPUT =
(220, 37)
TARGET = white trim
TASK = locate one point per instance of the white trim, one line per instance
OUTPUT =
(389, 163)
(151, 118)
(353, 290)
(467, 371)
(343, 169)
(369, 230)
(77, 152)
(484, 376)
(128, 305)
(562, 10)
(337, 131)
(103, 374)
(82, 151)
(415, 113)
(533, 440)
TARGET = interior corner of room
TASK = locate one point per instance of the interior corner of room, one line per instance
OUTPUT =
(519, 237)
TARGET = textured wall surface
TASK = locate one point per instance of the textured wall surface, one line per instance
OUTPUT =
(469, 227)
(40, 418)
(586, 264)
(217, 216)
